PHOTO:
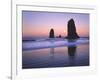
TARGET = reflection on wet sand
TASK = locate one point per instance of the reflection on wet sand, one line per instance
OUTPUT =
(51, 53)
(72, 53)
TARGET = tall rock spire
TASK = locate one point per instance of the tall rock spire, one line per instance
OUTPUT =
(72, 34)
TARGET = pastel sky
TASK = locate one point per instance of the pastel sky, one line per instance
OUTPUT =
(38, 24)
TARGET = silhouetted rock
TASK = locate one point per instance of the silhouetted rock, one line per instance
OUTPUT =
(59, 36)
(51, 33)
(72, 34)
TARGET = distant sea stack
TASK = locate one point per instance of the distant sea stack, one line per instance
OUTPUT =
(51, 33)
(72, 34)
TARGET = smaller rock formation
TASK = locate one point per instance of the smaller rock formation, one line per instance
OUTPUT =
(59, 36)
(51, 33)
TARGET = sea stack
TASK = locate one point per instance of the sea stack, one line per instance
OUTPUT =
(51, 33)
(72, 34)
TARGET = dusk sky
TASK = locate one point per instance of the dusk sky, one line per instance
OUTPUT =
(38, 24)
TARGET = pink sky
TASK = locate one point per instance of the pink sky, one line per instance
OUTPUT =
(38, 24)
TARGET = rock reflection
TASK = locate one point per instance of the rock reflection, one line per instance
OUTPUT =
(72, 53)
(51, 53)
